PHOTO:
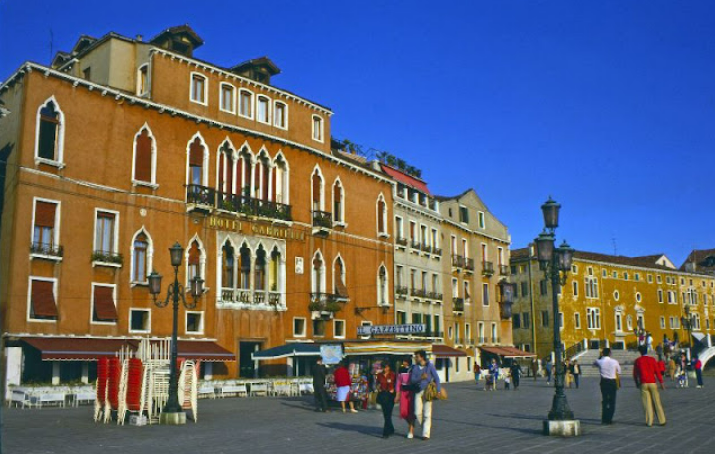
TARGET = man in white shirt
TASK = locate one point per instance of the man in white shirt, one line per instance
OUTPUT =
(610, 370)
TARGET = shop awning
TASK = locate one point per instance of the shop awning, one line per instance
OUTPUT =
(379, 347)
(508, 352)
(288, 350)
(91, 349)
(443, 351)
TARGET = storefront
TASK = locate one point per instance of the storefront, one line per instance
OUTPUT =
(504, 356)
(447, 362)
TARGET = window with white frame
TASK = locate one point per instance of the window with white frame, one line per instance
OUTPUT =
(593, 318)
(629, 322)
(317, 128)
(591, 286)
(298, 327)
(638, 297)
(381, 213)
(495, 334)
(382, 293)
(245, 103)
(194, 322)
(575, 288)
(45, 232)
(139, 320)
(662, 322)
(141, 257)
(106, 230)
(263, 109)
(227, 97)
(616, 295)
(660, 295)
(577, 320)
(42, 299)
(143, 79)
(104, 308)
(485, 294)
(482, 223)
(338, 202)
(399, 228)
(280, 115)
(199, 88)
(339, 329)
(619, 322)
(49, 142)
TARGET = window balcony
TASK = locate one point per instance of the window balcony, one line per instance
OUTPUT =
(415, 245)
(46, 250)
(504, 270)
(421, 293)
(437, 251)
(250, 206)
(200, 198)
(324, 302)
(426, 248)
(435, 296)
(481, 340)
(469, 264)
(487, 268)
(322, 223)
(401, 290)
(457, 261)
(457, 304)
(107, 258)
(401, 241)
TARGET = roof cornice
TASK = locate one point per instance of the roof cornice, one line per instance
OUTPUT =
(28, 67)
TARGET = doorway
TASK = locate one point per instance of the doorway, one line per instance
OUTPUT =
(246, 365)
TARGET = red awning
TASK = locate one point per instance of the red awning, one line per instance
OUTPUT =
(443, 351)
(406, 179)
(508, 352)
(91, 349)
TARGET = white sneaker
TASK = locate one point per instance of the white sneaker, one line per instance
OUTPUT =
(410, 436)
(353, 410)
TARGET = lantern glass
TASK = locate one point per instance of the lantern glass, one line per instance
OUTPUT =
(177, 253)
(565, 255)
(154, 283)
(544, 246)
(551, 213)
(197, 287)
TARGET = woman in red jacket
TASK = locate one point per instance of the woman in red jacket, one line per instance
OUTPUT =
(343, 382)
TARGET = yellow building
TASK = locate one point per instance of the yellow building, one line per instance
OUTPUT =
(606, 299)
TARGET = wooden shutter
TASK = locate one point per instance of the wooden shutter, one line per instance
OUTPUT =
(104, 308)
(194, 255)
(316, 189)
(45, 214)
(43, 299)
(381, 216)
(196, 153)
(142, 158)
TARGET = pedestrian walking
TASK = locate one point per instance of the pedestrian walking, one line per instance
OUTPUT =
(406, 397)
(576, 372)
(424, 372)
(609, 370)
(386, 393)
(494, 373)
(671, 368)
(649, 342)
(515, 374)
(534, 368)
(698, 366)
(645, 373)
(683, 376)
(477, 373)
(568, 377)
(319, 391)
(507, 380)
(343, 382)
(548, 371)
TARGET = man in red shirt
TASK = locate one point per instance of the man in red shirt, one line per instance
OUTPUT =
(645, 372)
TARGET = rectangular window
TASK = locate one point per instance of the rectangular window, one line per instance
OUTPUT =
(485, 294)
(435, 237)
(43, 235)
(104, 308)
(577, 320)
(317, 128)
(42, 304)
(339, 328)
(526, 319)
(544, 287)
(140, 320)
(575, 288)
(227, 98)
(662, 322)
(245, 107)
(524, 289)
(198, 88)
(545, 319)
(280, 115)
(401, 317)
(561, 320)
(660, 295)
(319, 328)
(482, 224)
(143, 80)
(194, 322)
(516, 321)
(262, 110)
(105, 233)
(463, 215)
(299, 327)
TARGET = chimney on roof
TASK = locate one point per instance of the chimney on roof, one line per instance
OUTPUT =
(140, 38)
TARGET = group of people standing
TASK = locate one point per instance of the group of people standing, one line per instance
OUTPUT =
(407, 388)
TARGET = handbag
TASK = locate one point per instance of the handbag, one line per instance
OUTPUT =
(442, 393)
(430, 393)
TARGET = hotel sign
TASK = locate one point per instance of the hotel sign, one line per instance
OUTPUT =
(372, 330)
(250, 228)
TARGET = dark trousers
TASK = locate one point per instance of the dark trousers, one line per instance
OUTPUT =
(575, 379)
(608, 399)
(321, 397)
(548, 375)
(516, 381)
(699, 376)
(387, 402)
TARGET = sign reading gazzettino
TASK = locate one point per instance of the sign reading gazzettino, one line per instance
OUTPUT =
(373, 330)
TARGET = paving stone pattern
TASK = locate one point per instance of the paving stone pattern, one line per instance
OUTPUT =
(472, 420)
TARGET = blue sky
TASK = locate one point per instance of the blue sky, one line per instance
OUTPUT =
(606, 105)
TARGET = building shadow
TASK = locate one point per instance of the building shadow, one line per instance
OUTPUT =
(373, 431)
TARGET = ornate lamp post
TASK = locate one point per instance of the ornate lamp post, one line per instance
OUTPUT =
(556, 263)
(687, 323)
(172, 412)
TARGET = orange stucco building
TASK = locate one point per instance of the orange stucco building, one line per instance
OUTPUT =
(122, 148)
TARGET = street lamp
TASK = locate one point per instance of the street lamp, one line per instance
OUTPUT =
(172, 412)
(687, 322)
(556, 263)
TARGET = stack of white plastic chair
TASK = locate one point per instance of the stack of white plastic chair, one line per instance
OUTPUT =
(122, 407)
(188, 387)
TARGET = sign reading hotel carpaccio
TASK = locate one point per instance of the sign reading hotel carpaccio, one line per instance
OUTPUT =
(256, 229)
(414, 328)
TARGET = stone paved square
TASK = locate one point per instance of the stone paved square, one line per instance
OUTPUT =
(470, 421)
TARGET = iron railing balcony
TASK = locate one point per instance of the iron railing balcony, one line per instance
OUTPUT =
(401, 290)
(401, 241)
(457, 261)
(437, 251)
(200, 195)
(435, 296)
(107, 257)
(324, 302)
(457, 304)
(322, 219)
(415, 245)
(426, 248)
(422, 293)
(47, 249)
(469, 264)
(487, 268)
(504, 270)
(205, 197)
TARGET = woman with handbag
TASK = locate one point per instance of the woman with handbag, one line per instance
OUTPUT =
(386, 382)
(406, 397)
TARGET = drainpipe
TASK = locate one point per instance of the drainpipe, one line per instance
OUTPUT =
(531, 301)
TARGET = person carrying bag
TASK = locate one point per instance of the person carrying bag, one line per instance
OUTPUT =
(425, 376)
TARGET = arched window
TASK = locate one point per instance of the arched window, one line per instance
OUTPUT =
(339, 283)
(318, 274)
(259, 282)
(245, 256)
(274, 277)
(228, 266)
(338, 202)
(196, 152)
(144, 157)
(317, 185)
(381, 216)
(244, 172)
(226, 169)
(382, 286)
(280, 180)
(50, 132)
(263, 176)
(194, 260)
(141, 257)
